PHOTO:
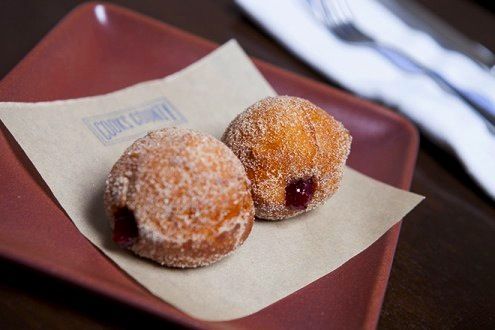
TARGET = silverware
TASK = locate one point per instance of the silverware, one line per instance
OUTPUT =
(420, 18)
(337, 16)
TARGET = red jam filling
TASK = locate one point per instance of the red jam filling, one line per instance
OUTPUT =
(125, 230)
(298, 193)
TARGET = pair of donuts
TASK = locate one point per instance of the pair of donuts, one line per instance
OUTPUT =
(185, 199)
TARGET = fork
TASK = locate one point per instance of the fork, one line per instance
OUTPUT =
(337, 16)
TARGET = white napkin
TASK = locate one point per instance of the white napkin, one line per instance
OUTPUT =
(440, 115)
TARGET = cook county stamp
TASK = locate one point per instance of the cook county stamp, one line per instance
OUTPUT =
(130, 123)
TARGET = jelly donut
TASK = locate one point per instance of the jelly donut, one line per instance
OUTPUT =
(180, 198)
(293, 152)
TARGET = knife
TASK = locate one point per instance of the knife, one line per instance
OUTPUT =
(420, 18)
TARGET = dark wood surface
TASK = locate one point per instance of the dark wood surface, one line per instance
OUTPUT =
(444, 270)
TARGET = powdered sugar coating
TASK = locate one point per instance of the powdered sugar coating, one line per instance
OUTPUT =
(282, 139)
(189, 194)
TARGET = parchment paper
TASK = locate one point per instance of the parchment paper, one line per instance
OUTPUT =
(74, 143)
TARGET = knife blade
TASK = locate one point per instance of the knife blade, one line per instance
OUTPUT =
(420, 18)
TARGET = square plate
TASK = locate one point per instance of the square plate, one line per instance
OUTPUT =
(99, 48)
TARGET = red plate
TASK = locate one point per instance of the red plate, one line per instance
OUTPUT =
(101, 48)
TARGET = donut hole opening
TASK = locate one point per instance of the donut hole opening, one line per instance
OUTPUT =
(125, 231)
(299, 192)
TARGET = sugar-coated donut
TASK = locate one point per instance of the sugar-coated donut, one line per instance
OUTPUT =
(293, 152)
(180, 198)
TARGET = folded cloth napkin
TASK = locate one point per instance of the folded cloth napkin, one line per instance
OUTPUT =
(441, 116)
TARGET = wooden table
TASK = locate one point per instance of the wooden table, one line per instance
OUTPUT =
(444, 270)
